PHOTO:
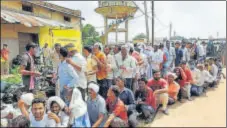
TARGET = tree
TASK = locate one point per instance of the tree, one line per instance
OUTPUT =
(90, 35)
(140, 36)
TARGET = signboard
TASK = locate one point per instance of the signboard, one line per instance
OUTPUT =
(62, 36)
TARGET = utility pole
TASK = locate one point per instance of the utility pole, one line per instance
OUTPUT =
(146, 21)
(170, 30)
(152, 22)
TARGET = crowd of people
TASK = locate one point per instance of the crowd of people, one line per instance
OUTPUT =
(115, 86)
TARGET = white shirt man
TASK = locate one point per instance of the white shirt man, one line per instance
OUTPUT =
(130, 65)
(198, 77)
(81, 61)
(200, 50)
(111, 66)
(214, 71)
(157, 59)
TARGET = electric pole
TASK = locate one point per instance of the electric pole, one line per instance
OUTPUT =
(152, 22)
(146, 21)
(170, 30)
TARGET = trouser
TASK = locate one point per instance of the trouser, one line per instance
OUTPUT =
(132, 119)
(146, 110)
(118, 122)
(134, 85)
(128, 83)
(163, 99)
(185, 91)
(171, 101)
(103, 87)
(196, 90)
(57, 88)
(109, 82)
(5, 66)
(83, 92)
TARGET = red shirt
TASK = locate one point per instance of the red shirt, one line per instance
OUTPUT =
(5, 54)
(156, 85)
(182, 81)
(151, 99)
(188, 73)
(118, 109)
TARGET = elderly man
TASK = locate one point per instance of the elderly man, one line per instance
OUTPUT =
(198, 77)
(214, 70)
(118, 112)
(127, 66)
(79, 63)
(96, 106)
(173, 88)
(160, 88)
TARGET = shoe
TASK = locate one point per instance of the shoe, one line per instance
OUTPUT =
(165, 112)
(190, 99)
(181, 101)
(147, 121)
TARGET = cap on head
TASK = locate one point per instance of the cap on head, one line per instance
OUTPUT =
(94, 87)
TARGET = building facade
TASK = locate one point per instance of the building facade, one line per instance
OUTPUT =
(25, 21)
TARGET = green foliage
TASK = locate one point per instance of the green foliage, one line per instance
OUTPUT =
(90, 35)
(140, 36)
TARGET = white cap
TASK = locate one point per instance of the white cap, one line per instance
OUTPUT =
(94, 87)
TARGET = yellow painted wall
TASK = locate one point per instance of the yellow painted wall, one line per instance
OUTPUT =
(12, 4)
(41, 11)
(62, 36)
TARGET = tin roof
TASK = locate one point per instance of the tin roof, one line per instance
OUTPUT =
(29, 20)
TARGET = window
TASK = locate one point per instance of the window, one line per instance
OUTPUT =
(27, 8)
(68, 19)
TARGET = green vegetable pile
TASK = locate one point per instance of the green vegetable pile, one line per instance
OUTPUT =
(14, 79)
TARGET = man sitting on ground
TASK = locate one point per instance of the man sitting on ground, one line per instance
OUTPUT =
(173, 88)
(189, 81)
(127, 96)
(197, 86)
(118, 112)
(96, 106)
(160, 88)
(145, 100)
(214, 71)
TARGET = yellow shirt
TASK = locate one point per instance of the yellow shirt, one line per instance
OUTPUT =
(90, 64)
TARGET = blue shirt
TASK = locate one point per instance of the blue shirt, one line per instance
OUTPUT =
(127, 96)
(67, 75)
(179, 56)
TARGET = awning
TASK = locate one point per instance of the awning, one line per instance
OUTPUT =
(29, 20)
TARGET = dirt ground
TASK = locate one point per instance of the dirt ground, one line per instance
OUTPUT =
(203, 111)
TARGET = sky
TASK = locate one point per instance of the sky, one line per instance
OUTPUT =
(189, 18)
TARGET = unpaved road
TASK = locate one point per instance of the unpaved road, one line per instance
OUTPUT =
(203, 111)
